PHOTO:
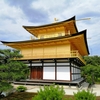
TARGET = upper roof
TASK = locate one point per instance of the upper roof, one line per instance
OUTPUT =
(69, 24)
(79, 40)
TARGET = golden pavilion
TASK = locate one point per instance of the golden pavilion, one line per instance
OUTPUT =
(57, 52)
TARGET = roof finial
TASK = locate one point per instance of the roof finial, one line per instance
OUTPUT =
(55, 20)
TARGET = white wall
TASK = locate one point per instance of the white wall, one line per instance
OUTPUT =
(63, 73)
(49, 73)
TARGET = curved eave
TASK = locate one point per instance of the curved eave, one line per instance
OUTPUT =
(79, 40)
(71, 20)
(84, 39)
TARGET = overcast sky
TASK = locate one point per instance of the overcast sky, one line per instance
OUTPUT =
(16, 13)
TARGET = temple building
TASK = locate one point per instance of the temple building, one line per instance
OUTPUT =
(57, 52)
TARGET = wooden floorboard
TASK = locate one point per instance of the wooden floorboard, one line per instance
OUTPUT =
(49, 82)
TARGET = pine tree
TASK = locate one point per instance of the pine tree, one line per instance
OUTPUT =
(10, 68)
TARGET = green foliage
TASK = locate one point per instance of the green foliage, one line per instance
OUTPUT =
(89, 79)
(4, 86)
(14, 70)
(84, 95)
(50, 93)
(92, 60)
(21, 89)
(90, 73)
(7, 55)
(10, 69)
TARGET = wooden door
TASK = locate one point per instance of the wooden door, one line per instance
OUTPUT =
(36, 73)
(39, 73)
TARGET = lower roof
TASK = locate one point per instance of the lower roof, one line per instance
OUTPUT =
(79, 40)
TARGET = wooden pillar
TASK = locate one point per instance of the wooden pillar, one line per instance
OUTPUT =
(42, 69)
(55, 69)
(30, 62)
(70, 69)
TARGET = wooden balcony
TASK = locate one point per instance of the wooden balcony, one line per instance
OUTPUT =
(75, 53)
(72, 54)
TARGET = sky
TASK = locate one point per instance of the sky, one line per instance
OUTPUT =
(16, 13)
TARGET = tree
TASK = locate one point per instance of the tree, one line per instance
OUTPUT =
(92, 60)
(10, 68)
(91, 71)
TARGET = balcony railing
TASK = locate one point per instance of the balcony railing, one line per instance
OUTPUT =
(75, 53)
(72, 54)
